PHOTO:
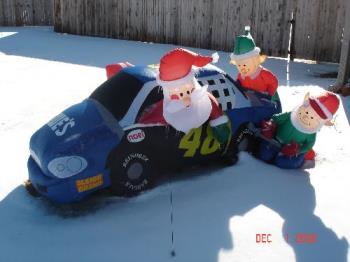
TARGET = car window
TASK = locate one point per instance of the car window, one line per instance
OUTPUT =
(118, 93)
(153, 97)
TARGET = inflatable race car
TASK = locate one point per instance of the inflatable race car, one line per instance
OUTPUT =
(100, 144)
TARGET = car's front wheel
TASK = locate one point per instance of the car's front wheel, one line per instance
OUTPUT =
(131, 173)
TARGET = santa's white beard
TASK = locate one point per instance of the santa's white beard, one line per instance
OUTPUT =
(184, 118)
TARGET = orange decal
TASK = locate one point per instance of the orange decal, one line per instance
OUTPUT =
(89, 183)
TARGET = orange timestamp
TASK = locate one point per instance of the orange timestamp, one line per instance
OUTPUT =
(298, 238)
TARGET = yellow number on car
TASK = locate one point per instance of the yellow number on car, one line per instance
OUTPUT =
(191, 141)
(210, 144)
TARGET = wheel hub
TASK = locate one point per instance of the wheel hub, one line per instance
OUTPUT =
(134, 171)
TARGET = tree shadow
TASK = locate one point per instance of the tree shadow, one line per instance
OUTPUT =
(44, 43)
(202, 208)
(237, 191)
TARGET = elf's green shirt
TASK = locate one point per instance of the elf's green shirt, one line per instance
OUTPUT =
(286, 133)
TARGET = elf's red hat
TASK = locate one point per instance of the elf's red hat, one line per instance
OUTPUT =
(325, 105)
(176, 66)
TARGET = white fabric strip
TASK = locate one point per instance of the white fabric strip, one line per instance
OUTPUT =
(219, 121)
(324, 109)
(254, 52)
(178, 82)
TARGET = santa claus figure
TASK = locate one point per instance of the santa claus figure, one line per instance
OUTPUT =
(296, 130)
(247, 58)
(187, 104)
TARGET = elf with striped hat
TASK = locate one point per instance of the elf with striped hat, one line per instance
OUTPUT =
(251, 75)
(296, 130)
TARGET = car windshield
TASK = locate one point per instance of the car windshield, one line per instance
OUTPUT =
(118, 93)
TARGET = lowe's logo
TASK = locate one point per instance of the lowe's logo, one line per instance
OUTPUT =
(60, 124)
(136, 136)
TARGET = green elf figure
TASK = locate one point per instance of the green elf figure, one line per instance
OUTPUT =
(251, 74)
(296, 131)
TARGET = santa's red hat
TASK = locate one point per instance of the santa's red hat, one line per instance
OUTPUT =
(176, 66)
(325, 105)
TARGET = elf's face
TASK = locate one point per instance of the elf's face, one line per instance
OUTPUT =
(308, 117)
(248, 66)
(182, 93)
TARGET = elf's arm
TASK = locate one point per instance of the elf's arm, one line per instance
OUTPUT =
(280, 118)
(219, 122)
(308, 144)
(217, 117)
(268, 128)
(271, 82)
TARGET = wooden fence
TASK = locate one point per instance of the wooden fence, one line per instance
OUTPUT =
(26, 12)
(198, 23)
(319, 28)
(208, 24)
(211, 24)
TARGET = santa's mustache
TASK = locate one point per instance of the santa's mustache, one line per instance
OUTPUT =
(173, 106)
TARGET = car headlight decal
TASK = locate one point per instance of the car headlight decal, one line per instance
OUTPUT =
(67, 166)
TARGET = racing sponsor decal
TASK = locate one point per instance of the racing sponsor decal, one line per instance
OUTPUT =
(89, 183)
(134, 171)
(136, 187)
(60, 124)
(136, 136)
(243, 133)
(134, 156)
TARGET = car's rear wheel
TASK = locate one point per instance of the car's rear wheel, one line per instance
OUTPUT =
(131, 173)
(245, 139)
(231, 155)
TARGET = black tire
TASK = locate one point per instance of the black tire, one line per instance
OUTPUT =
(245, 139)
(30, 188)
(230, 160)
(131, 173)
(231, 155)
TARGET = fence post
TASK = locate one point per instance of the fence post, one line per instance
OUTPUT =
(344, 64)
(292, 37)
(57, 18)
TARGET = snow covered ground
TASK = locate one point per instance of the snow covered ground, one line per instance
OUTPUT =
(216, 215)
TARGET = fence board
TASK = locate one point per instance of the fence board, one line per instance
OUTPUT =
(319, 27)
(344, 65)
(8, 12)
(2, 20)
(26, 12)
(199, 23)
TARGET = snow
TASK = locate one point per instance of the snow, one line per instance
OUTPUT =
(217, 211)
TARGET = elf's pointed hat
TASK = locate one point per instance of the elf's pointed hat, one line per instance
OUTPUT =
(244, 46)
(325, 105)
(176, 66)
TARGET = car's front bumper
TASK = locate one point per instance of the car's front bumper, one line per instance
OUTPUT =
(66, 190)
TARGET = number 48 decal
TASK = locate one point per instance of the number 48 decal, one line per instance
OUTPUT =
(192, 142)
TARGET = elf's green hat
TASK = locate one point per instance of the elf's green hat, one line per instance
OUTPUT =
(244, 46)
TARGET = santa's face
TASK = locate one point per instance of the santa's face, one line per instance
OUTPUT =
(248, 66)
(308, 117)
(187, 107)
(182, 93)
